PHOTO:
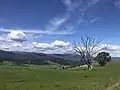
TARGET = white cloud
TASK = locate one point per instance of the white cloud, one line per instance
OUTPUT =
(71, 4)
(41, 45)
(80, 20)
(17, 45)
(54, 47)
(61, 47)
(2, 38)
(12, 42)
(117, 3)
(57, 46)
(56, 23)
(80, 6)
(114, 47)
(18, 36)
(49, 32)
(93, 2)
(58, 43)
(89, 3)
(94, 20)
(114, 50)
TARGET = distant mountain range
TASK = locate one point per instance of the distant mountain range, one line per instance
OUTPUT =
(41, 59)
(116, 58)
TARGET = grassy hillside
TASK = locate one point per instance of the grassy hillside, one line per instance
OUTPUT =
(26, 78)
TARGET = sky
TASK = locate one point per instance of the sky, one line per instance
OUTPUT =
(51, 26)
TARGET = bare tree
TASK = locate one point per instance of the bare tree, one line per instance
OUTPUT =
(87, 48)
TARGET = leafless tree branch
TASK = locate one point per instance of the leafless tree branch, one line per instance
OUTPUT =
(86, 47)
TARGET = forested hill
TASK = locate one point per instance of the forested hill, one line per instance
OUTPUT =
(37, 58)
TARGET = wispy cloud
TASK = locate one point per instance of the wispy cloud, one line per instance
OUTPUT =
(89, 3)
(58, 21)
(58, 32)
(55, 23)
(71, 4)
(94, 20)
(117, 3)
(82, 6)
(74, 6)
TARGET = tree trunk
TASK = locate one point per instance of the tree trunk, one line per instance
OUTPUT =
(90, 67)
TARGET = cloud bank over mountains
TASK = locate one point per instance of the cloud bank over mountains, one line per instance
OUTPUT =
(18, 41)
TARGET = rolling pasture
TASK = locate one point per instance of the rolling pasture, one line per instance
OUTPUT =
(44, 78)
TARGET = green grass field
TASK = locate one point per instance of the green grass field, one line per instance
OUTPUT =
(21, 78)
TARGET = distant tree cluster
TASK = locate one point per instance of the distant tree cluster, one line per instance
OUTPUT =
(103, 58)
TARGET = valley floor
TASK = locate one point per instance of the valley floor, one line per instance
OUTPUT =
(42, 78)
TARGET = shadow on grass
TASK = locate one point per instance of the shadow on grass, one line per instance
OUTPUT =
(57, 85)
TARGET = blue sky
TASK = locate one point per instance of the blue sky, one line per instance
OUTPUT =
(45, 21)
(37, 14)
